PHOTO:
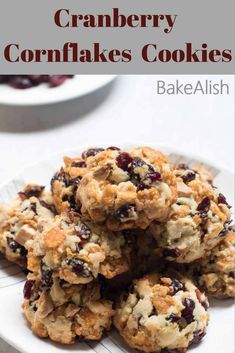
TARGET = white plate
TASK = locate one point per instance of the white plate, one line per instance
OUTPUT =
(13, 327)
(76, 87)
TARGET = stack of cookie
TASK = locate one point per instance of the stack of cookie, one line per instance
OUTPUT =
(124, 238)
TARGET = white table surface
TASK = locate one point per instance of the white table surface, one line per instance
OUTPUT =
(128, 109)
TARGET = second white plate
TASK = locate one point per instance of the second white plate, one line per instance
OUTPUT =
(78, 86)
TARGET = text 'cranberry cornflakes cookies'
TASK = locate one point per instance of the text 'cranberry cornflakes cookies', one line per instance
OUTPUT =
(63, 311)
(198, 220)
(20, 219)
(78, 252)
(162, 312)
(127, 189)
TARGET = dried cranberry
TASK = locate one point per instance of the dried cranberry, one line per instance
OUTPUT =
(16, 247)
(35, 78)
(34, 308)
(183, 166)
(57, 80)
(62, 177)
(198, 336)
(113, 148)
(188, 177)
(25, 271)
(173, 318)
(33, 207)
(187, 312)
(78, 266)
(83, 231)
(48, 206)
(28, 81)
(124, 213)
(30, 192)
(136, 171)
(28, 289)
(73, 205)
(222, 199)
(79, 164)
(46, 277)
(4, 78)
(226, 229)
(148, 180)
(177, 285)
(76, 181)
(91, 152)
(232, 274)
(171, 252)
(137, 163)
(20, 82)
(123, 161)
(204, 205)
(78, 248)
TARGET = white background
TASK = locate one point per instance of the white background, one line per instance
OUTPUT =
(128, 109)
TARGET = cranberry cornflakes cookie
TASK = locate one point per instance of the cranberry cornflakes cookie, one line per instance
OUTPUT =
(162, 312)
(198, 220)
(127, 189)
(20, 219)
(63, 311)
(76, 250)
(217, 272)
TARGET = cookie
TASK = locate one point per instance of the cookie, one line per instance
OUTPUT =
(217, 271)
(20, 219)
(127, 190)
(77, 251)
(162, 312)
(65, 311)
(198, 220)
